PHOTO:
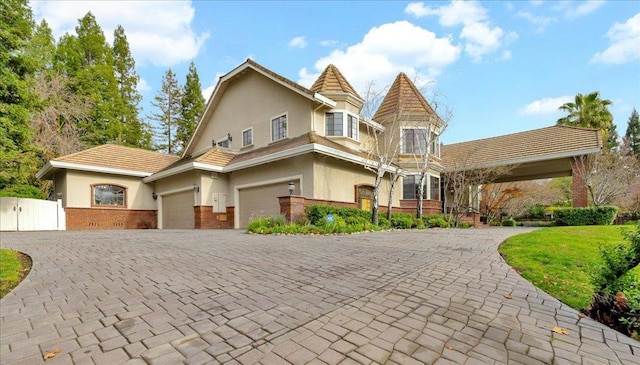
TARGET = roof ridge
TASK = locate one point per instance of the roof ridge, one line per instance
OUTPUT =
(403, 91)
(523, 132)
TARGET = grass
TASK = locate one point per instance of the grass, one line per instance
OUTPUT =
(558, 260)
(13, 268)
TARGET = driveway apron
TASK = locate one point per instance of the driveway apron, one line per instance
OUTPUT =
(222, 296)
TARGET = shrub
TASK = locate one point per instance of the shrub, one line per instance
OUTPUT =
(617, 299)
(464, 225)
(316, 213)
(508, 223)
(384, 223)
(401, 222)
(536, 211)
(23, 191)
(436, 220)
(586, 216)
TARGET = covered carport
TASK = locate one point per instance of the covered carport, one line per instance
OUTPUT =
(537, 154)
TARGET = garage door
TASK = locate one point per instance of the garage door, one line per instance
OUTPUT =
(177, 210)
(261, 201)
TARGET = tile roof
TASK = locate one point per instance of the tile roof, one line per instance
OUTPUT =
(120, 157)
(214, 156)
(287, 144)
(403, 97)
(332, 80)
(554, 140)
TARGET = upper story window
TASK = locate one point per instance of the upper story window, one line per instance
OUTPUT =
(335, 125)
(434, 144)
(247, 137)
(109, 195)
(414, 140)
(279, 128)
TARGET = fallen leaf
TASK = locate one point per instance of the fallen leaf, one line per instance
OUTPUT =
(450, 347)
(560, 330)
(508, 296)
(52, 354)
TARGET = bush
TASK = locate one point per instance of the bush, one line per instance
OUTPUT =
(536, 211)
(617, 299)
(436, 220)
(508, 223)
(401, 221)
(586, 216)
(23, 191)
(316, 213)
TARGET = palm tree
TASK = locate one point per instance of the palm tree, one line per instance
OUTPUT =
(588, 111)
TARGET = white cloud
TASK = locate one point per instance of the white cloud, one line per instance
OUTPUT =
(481, 38)
(207, 91)
(541, 22)
(384, 52)
(329, 43)
(506, 55)
(159, 32)
(545, 105)
(625, 43)
(583, 9)
(143, 85)
(298, 42)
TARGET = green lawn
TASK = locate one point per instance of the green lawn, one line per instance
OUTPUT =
(558, 259)
(12, 270)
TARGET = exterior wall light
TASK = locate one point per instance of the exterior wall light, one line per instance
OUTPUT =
(154, 196)
(229, 137)
(292, 187)
(196, 188)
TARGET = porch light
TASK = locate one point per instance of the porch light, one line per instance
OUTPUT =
(154, 196)
(196, 188)
(213, 142)
(292, 187)
(229, 137)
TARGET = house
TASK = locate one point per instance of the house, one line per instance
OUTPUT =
(263, 146)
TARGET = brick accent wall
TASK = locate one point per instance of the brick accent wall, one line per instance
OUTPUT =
(81, 219)
(292, 207)
(207, 219)
(580, 189)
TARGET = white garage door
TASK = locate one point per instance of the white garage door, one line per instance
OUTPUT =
(261, 201)
(177, 210)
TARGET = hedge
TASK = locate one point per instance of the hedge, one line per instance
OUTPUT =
(591, 216)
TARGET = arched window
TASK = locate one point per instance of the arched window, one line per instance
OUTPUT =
(109, 195)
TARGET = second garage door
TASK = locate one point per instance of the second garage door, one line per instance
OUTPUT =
(177, 211)
(261, 201)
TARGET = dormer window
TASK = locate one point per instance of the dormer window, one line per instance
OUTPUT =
(335, 125)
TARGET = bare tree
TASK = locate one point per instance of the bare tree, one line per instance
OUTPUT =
(609, 175)
(463, 180)
(497, 199)
(382, 149)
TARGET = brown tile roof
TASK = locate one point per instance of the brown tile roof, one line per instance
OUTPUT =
(288, 144)
(332, 80)
(554, 140)
(120, 157)
(403, 97)
(214, 156)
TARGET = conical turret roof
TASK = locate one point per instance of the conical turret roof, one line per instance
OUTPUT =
(403, 97)
(331, 80)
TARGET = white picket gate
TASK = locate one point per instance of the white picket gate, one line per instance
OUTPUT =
(22, 214)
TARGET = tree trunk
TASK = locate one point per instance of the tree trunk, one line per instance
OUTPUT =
(420, 196)
(394, 179)
(376, 196)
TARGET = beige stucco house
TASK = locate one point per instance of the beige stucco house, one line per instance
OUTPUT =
(264, 146)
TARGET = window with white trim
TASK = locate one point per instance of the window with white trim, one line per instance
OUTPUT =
(247, 137)
(414, 140)
(109, 195)
(434, 144)
(434, 184)
(335, 124)
(279, 128)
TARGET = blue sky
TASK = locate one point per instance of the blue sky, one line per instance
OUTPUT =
(498, 66)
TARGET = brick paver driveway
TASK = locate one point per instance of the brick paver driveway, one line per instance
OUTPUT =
(172, 297)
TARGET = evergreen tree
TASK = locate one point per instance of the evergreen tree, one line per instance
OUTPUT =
(612, 142)
(18, 157)
(42, 48)
(632, 134)
(88, 60)
(192, 106)
(135, 133)
(168, 102)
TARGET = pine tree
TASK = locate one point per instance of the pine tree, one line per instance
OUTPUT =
(18, 157)
(168, 102)
(612, 142)
(135, 133)
(88, 60)
(42, 48)
(632, 135)
(192, 106)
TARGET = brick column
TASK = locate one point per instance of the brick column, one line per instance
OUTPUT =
(292, 207)
(579, 168)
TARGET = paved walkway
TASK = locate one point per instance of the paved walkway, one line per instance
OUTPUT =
(208, 297)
